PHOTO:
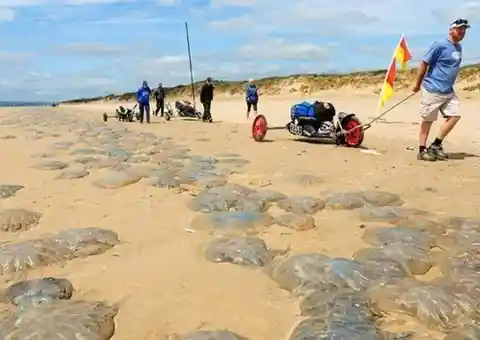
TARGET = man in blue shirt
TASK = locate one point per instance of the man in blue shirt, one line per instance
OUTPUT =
(437, 74)
(143, 100)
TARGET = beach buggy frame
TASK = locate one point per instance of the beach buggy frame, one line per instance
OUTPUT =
(346, 129)
(182, 109)
(124, 115)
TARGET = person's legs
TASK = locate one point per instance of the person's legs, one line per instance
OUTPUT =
(208, 106)
(425, 128)
(157, 108)
(255, 108)
(147, 112)
(204, 116)
(162, 107)
(141, 108)
(429, 108)
(249, 108)
(449, 110)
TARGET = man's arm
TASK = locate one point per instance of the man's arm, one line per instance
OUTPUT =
(202, 93)
(422, 69)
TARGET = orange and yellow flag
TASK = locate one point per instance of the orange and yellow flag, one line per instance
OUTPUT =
(387, 88)
(402, 53)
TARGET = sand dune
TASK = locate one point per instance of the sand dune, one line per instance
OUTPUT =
(307, 84)
(157, 275)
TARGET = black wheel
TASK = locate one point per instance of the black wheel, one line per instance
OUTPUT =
(105, 117)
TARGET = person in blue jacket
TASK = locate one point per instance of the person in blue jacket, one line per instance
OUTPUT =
(143, 100)
(251, 96)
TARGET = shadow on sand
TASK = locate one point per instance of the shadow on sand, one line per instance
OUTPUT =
(266, 141)
(460, 155)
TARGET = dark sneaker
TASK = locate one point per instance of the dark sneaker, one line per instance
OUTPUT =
(427, 155)
(438, 151)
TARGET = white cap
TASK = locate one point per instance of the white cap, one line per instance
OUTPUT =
(459, 23)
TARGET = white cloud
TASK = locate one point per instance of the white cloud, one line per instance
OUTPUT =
(347, 17)
(14, 57)
(170, 60)
(301, 15)
(89, 49)
(167, 2)
(278, 49)
(174, 69)
(469, 10)
(232, 3)
(237, 23)
(44, 85)
(20, 3)
(27, 3)
(93, 2)
(6, 14)
(130, 20)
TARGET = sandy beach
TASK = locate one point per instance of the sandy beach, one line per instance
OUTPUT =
(157, 274)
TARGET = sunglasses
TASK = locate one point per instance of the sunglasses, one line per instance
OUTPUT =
(460, 22)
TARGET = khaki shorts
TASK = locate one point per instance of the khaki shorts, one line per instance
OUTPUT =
(431, 104)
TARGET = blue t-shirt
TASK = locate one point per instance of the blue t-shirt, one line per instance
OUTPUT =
(143, 95)
(444, 59)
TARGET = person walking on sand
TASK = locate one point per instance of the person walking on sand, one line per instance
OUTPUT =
(436, 77)
(159, 94)
(143, 100)
(206, 98)
(251, 97)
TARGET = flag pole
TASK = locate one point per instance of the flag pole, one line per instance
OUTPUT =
(190, 63)
(394, 55)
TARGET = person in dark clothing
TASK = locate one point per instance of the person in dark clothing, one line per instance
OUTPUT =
(159, 94)
(251, 96)
(143, 100)
(206, 98)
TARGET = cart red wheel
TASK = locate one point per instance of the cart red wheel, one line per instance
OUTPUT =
(354, 138)
(259, 128)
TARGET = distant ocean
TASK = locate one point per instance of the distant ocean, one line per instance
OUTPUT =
(16, 104)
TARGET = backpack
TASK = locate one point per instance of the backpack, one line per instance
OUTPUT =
(252, 94)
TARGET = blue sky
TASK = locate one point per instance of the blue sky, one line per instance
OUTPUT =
(59, 49)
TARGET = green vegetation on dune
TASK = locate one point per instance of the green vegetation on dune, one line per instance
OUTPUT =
(305, 83)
